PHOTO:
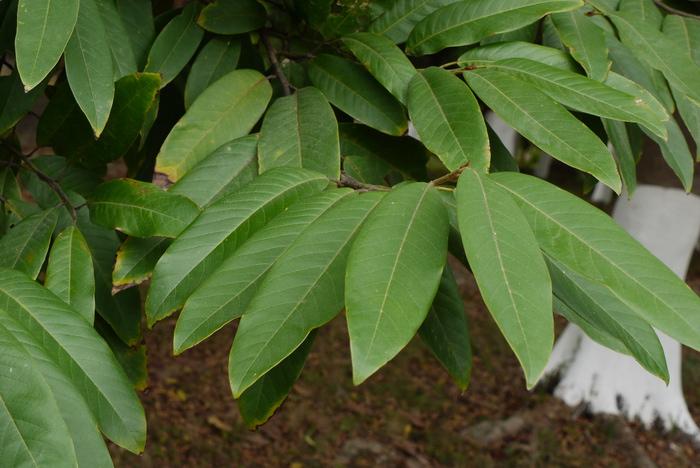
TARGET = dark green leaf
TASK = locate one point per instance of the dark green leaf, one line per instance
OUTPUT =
(585, 40)
(138, 19)
(400, 19)
(232, 16)
(25, 246)
(136, 259)
(123, 60)
(217, 58)
(14, 101)
(132, 359)
(503, 50)
(644, 10)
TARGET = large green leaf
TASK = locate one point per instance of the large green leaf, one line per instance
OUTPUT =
(25, 246)
(445, 330)
(43, 30)
(226, 110)
(644, 10)
(685, 32)
(386, 62)
(89, 66)
(176, 44)
(132, 359)
(303, 290)
(400, 19)
(15, 102)
(34, 433)
(227, 292)
(259, 402)
(217, 58)
(300, 131)
(403, 154)
(660, 52)
(588, 242)
(464, 23)
(39, 319)
(225, 170)
(448, 119)
(585, 40)
(232, 16)
(508, 266)
(544, 122)
(123, 59)
(137, 16)
(352, 89)
(136, 259)
(219, 231)
(140, 209)
(626, 161)
(676, 152)
(393, 273)
(503, 50)
(583, 94)
(70, 274)
(599, 306)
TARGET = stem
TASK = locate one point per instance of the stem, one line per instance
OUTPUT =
(347, 181)
(675, 11)
(272, 54)
(451, 177)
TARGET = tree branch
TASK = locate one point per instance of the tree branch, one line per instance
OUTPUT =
(272, 54)
(351, 182)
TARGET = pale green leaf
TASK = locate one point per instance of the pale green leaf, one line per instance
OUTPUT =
(588, 242)
(445, 330)
(386, 62)
(300, 131)
(225, 170)
(219, 231)
(508, 266)
(136, 259)
(140, 209)
(585, 41)
(393, 273)
(25, 246)
(227, 292)
(227, 109)
(70, 274)
(352, 89)
(46, 322)
(89, 66)
(176, 44)
(464, 23)
(43, 30)
(545, 123)
(217, 58)
(448, 119)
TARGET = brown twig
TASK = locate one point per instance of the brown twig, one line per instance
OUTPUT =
(272, 54)
(451, 177)
(351, 182)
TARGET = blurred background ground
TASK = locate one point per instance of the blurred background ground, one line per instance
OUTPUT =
(410, 414)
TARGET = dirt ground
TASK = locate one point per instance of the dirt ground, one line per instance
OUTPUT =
(410, 414)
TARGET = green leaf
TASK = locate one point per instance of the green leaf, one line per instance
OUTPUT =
(454, 238)
(300, 131)
(34, 433)
(464, 23)
(659, 52)
(685, 32)
(232, 16)
(644, 10)
(227, 109)
(585, 41)
(604, 6)
(259, 402)
(217, 58)
(583, 94)
(176, 44)
(123, 60)
(70, 274)
(400, 19)
(140, 209)
(14, 101)
(588, 242)
(136, 259)
(132, 359)
(626, 161)
(9, 188)
(501, 159)
(354, 90)
(89, 66)
(227, 292)
(628, 86)
(225, 170)
(676, 153)
(25, 246)
(393, 273)
(689, 111)
(137, 16)
(448, 119)
(44, 321)
(219, 231)
(302, 291)
(545, 123)
(508, 266)
(599, 306)
(43, 30)
(527, 33)
(596, 334)
(503, 50)
(366, 169)
(386, 62)
(445, 330)
(403, 154)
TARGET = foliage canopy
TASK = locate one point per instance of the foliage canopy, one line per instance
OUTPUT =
(270, 177)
